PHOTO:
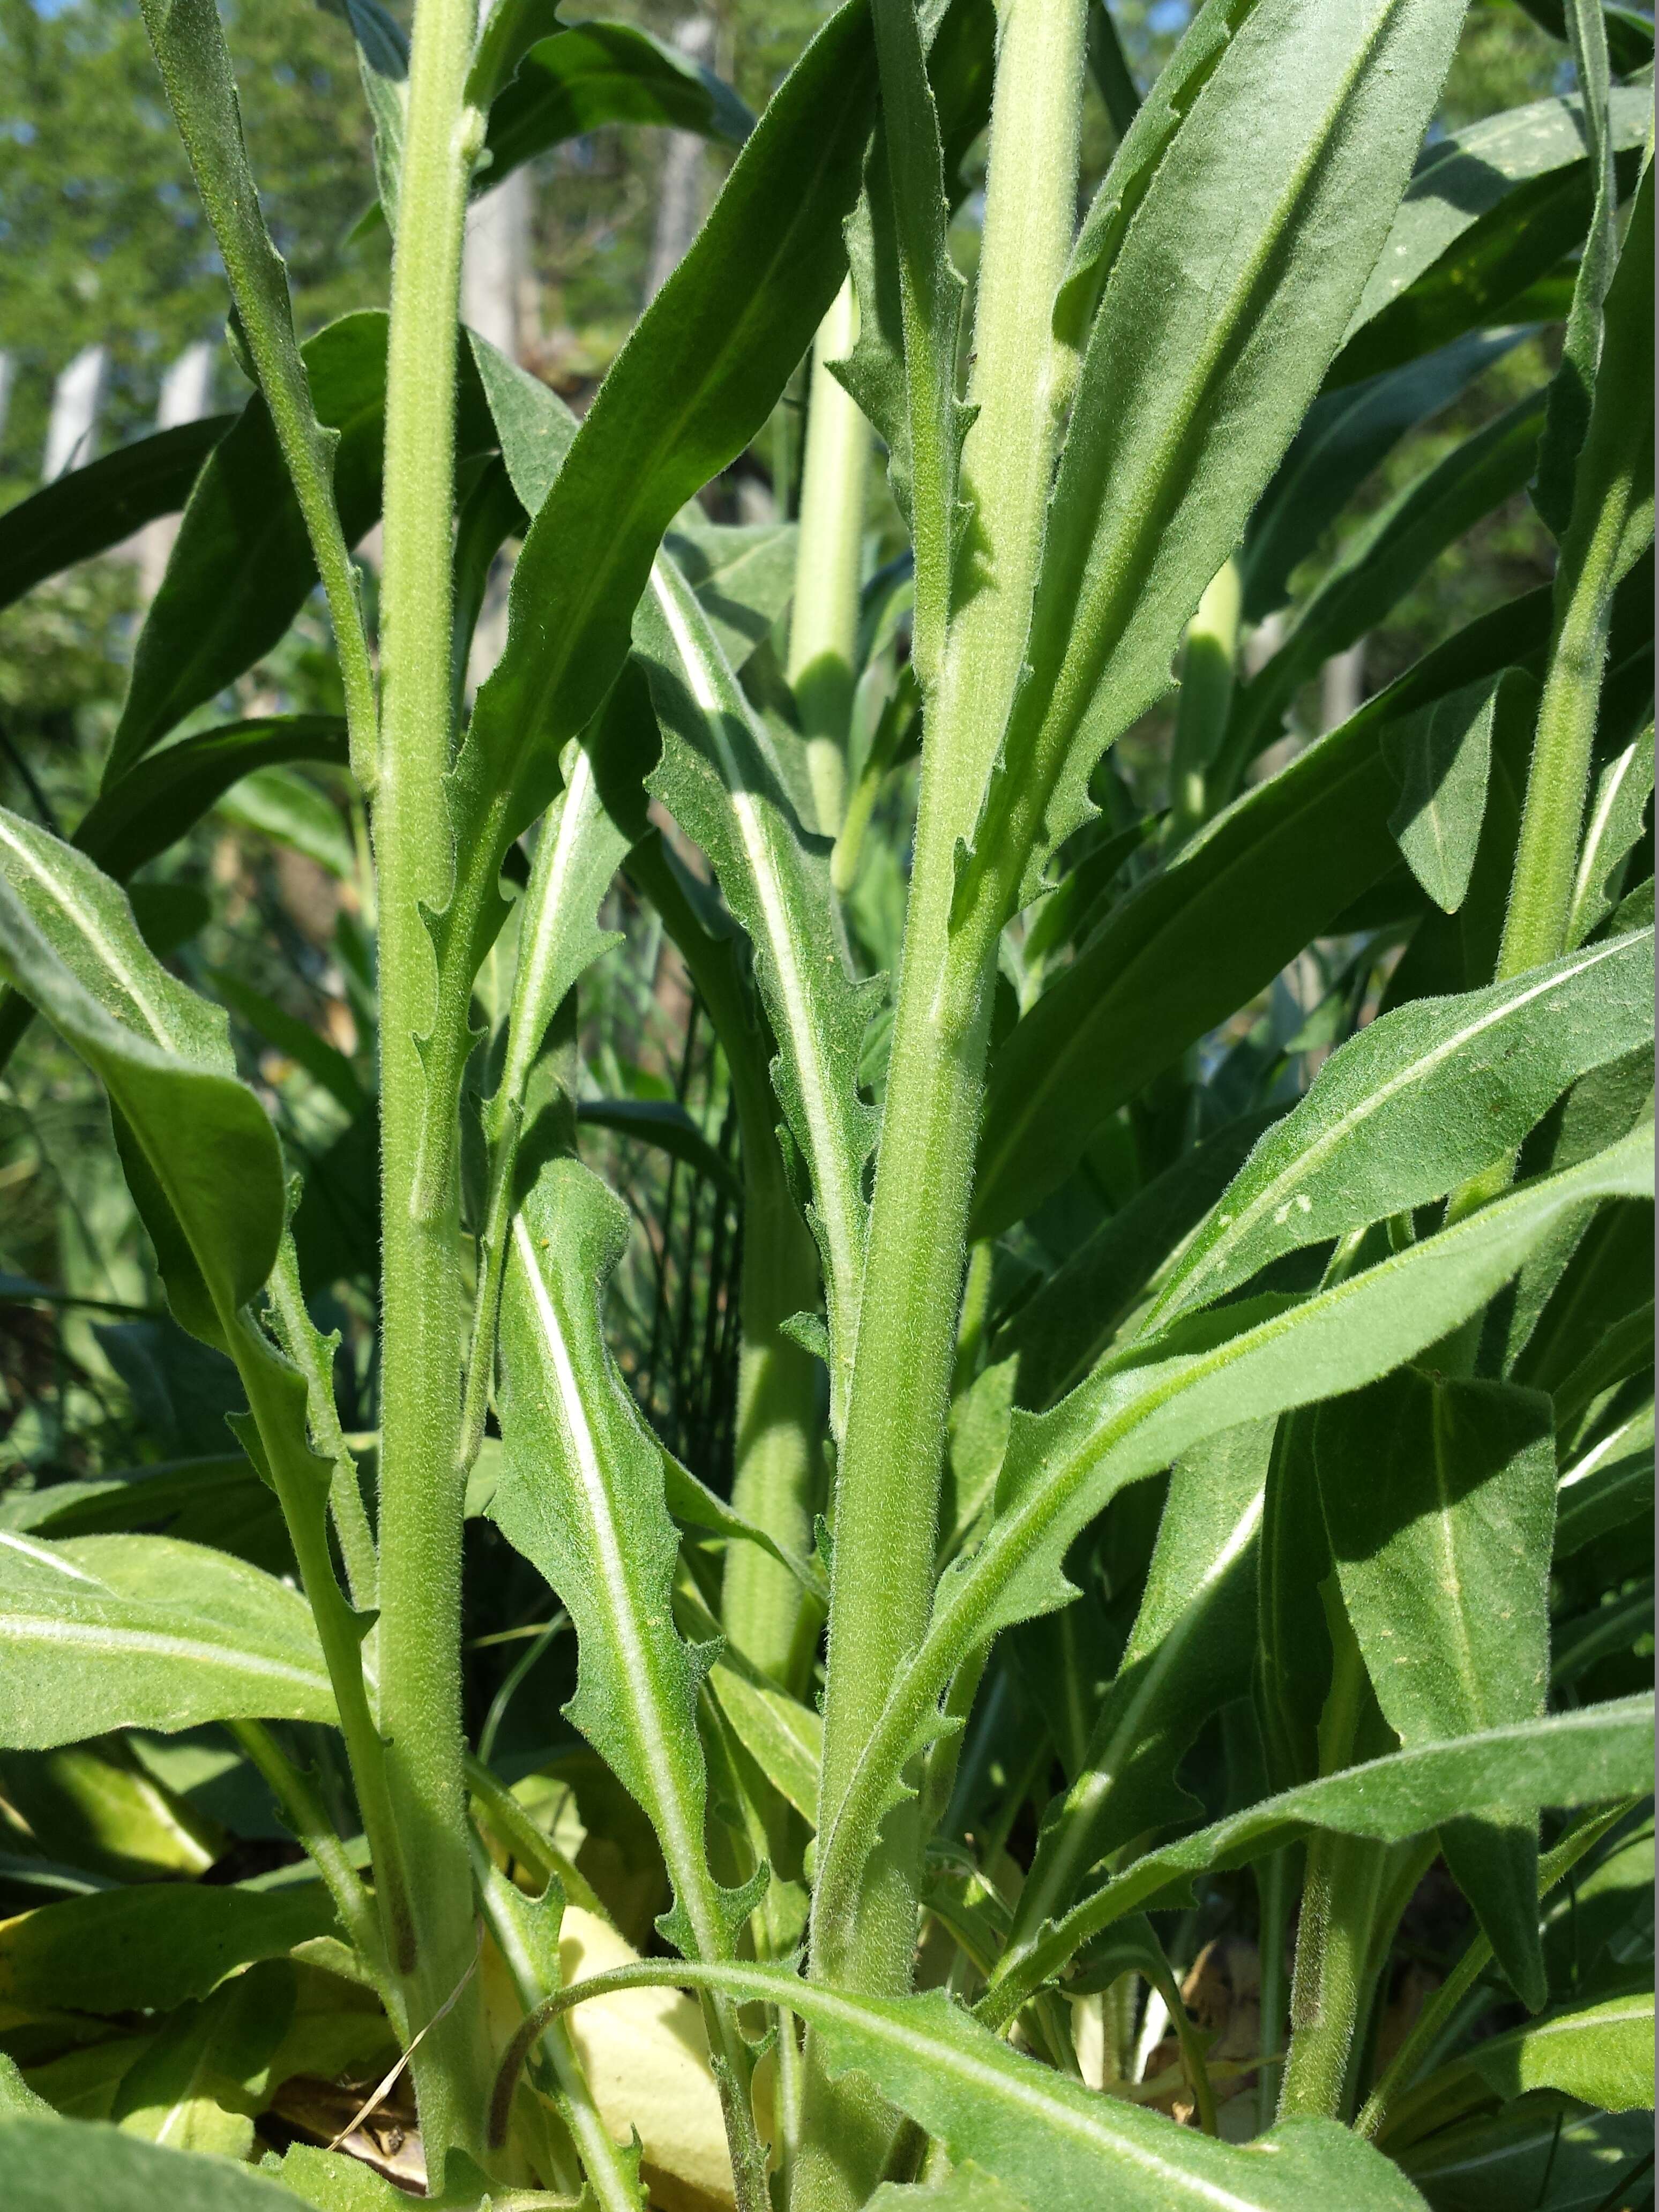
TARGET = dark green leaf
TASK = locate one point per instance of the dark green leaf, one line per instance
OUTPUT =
(44, 2163)
(1441, 757)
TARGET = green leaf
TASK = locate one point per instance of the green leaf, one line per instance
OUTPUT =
(162, 797)
(142, 1631)
(1051, 2143)
(93, 508)
(1442, 757)
(1307, 127)
(189, 45)
(278, 803)
(783, 1737)
(383, 64)
(1439, 1497)
(1607, 1486)
(592, 74)
(1593, 1756)
(203, 2081)
(198, 1145)
(664, 1123)
(1618, 812)
(1190, 1648)
(1629, 33)
(1212, 928)
(1070, 1319)
(697, 379)
(1573, 387)
(721, 779)
(1415, 1104)
(1387, 559)
(1137, 1412)
(744, 575)
(1343, 436)
(1489, 207)
(151, 1947)
(1601, 2054)
(1535, 2154)
(582, 1497)
(45, 2164)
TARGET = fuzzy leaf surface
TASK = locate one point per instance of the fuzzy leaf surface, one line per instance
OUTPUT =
(1439, 1497)
(144, 1631)
(1210, 342)
(1413, 1106)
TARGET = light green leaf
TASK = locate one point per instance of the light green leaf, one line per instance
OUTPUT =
(582, 1497)
(1198, 939)
(1137, 1413)
(281, 805)
(1190, 1646)
(89, 509)
(1573, 388)
(383, 64)
(142, 1631)
(1441, 757)
(720, 778)
(1413, 1105)
(1617, 814)
(1592, 1756)
(45, 2164)
(783, 1737)
(1610, 1484)
(189, 44)
(1601, 2054)
(1439, 1497)
(1210, 342)
(201, 2083)
(154, 1946)
(1387, 558)
(1051, 2143)
(743, 574)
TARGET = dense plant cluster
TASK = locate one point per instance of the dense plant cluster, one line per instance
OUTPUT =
(913, 1464)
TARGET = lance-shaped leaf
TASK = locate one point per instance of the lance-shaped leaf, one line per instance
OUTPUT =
(142, 1631)
(1210, 342)
(697, 380)
(1590, 1757)
(1618, 812)
(1601, 2054)
(1607, 1486)
(92, 508)
(152, 1944)
(1189, 1649)
(1443, 756)
(582, 1497)
(45, 2162)
(1439, 1497)
(905, 215)
(1489, 207)
(1387, 559)
(1574, 384)
(1212, 928)
(1413, 1105)
(1050, 2144)
(722, 780)
(592, 74)
(1137, 1414)
(189, 44)
(1343, 436)
(382, 46)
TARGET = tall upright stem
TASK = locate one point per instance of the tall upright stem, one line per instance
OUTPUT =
(887, 1491)
(828, 560)
(422, 1320)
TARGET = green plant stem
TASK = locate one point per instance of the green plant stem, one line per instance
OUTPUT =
(422, 1333)
(1206, 696)
(311, 1353)
(1402, 2068)
(885, 1529)
(828, 565)
(302, 1808)
(1341, 1893)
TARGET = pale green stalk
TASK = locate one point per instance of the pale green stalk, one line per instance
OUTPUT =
(888, 1484)
(828, 565)
(421, 1323)
(1206, 695)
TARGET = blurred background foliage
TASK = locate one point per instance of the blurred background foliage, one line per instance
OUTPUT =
(267, 904)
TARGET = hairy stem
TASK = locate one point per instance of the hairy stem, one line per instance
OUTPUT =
(828, 560)
(1206, 698)
(885, 1526)
(421, 1492)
